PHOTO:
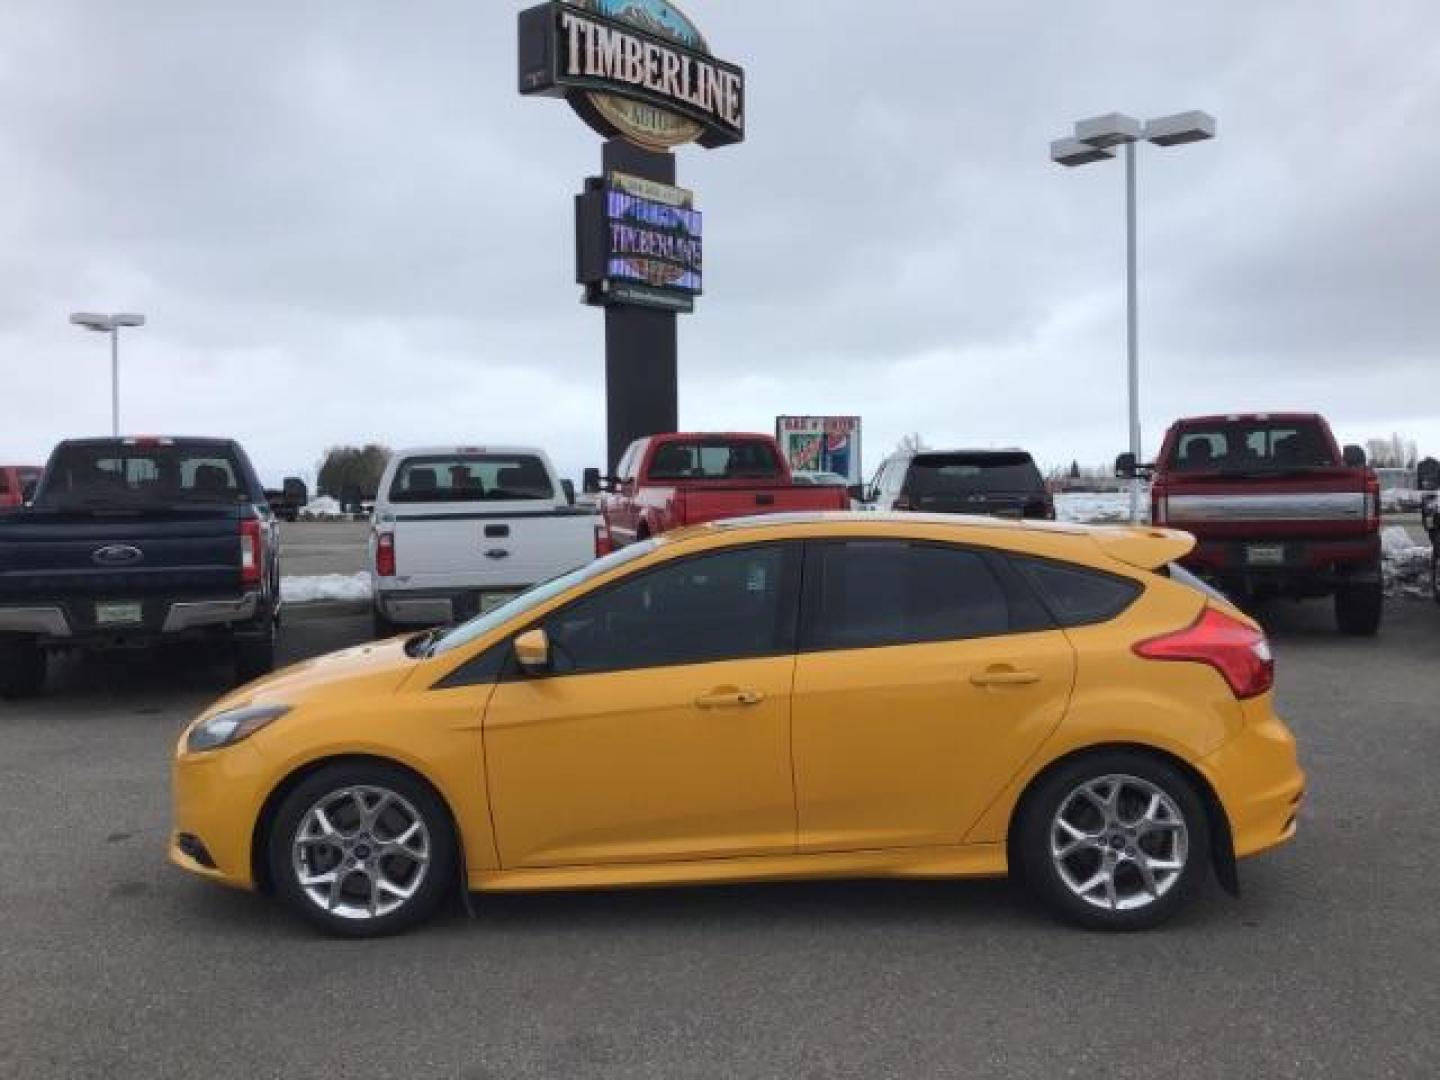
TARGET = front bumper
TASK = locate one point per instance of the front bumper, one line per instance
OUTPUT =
(1258, 779)
(216, 801)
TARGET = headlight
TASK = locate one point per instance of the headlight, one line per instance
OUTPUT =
(229, 727)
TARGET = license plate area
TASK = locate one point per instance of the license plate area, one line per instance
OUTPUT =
(1265, 554)
(112, 613)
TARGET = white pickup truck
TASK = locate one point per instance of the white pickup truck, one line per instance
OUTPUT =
(459, 530)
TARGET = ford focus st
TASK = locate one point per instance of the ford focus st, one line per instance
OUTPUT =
(769, 699)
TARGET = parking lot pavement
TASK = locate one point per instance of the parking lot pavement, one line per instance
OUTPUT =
(114, 965)
(313, 548)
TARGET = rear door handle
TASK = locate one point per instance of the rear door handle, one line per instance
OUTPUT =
(729, 698)
(1005, 677)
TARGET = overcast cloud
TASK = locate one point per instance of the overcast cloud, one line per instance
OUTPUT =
(345, 225)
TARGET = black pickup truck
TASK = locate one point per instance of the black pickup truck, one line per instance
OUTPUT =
(131, 542)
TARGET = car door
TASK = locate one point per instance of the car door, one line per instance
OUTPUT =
(663, 732)
(927, 675)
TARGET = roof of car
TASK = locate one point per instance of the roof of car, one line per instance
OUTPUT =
(464, 448)
(1223, 418)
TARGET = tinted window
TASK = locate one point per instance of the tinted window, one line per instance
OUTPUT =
(472, 478)
(1078, 596)
(941, 478)
(715, 459)
(715, 607)
(1251, 446)
(139, 475)
(875, 593)
(4, 481)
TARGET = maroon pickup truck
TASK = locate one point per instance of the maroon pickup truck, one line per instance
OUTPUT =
(668, 481)
(1277, 508)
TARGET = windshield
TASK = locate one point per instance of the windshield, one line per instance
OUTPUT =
(462, 478)
(715, 459)
(538, 596)
(1251, 446)
(140, 475)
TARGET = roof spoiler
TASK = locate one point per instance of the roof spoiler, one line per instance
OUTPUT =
(1147, 548)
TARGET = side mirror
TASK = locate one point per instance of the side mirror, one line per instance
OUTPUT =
(568, 486)
(1126, 466)
(590, 481)
(532, 652)
(1427, 475)
(27, 492)
(1354, 457)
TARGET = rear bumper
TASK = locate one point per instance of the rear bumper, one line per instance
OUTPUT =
(440, 607)
(1258, 779)
(1302, 564)
(161, 618)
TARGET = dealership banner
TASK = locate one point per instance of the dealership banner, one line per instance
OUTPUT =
(822, 444)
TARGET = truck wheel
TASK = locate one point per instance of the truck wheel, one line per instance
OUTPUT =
(383, 628)
(22, 668)
(1358, 608)
(1435, 568)
(254, 657)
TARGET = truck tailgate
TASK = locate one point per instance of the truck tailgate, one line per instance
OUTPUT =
(459, 550)
(1309, 506)
(699, 505)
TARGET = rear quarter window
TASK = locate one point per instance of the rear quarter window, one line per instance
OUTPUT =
(1078, 595)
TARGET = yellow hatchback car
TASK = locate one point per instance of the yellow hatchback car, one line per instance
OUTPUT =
(769, 699)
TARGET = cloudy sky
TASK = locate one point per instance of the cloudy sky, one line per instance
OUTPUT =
(345, 225)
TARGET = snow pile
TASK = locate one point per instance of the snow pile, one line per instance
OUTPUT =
(333, 587)
(322, 509)
(1400, 500)
(1096, 507)
(1406, 563)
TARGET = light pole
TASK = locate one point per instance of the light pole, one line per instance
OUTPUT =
(1095, 140)
(110, 324)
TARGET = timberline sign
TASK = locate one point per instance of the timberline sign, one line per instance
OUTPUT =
(637, 69)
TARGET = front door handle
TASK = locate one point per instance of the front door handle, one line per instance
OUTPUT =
(1005, 677)
(729, 697)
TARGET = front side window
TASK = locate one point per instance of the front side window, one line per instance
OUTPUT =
(869, 594)
(717, 459)
(463, 478)
(727, 606)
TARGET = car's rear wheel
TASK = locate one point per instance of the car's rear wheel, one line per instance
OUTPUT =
(22, 667)
(1359, 608)
(362, 850)
(1114, 841)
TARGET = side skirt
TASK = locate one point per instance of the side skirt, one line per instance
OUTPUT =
(972, 860)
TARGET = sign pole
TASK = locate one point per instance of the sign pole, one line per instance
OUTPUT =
(641, 343)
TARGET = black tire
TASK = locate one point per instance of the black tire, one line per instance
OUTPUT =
(1435, 568)
(255, 657)
(383, 628)
(327, 786)
(1359, 608)
(1060, 788)
(22, 668)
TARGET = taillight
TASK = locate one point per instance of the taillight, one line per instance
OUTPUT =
(1159, 505)
(1372, 501)
(252, 553)
(1238, 652)
(603, 544)
(385, 555)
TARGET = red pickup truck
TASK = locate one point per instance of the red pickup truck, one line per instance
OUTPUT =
(1277, 508)
(667, 481)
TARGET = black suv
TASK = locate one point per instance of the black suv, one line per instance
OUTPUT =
(1000, 483)
(130, 542)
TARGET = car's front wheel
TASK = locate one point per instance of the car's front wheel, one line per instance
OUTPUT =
(1114, 841)
(362, 849)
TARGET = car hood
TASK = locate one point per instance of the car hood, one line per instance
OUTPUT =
(382, 664)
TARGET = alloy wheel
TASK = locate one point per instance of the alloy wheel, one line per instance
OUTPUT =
(1119, 842)
(361, 852)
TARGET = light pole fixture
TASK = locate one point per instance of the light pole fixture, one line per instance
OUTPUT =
(1095, 140)
(110, 324)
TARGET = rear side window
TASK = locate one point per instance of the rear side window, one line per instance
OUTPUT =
(941, 476)
(1075, 595)
(715, 459)
(143, 475)
(868, 594)
(471, 478)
